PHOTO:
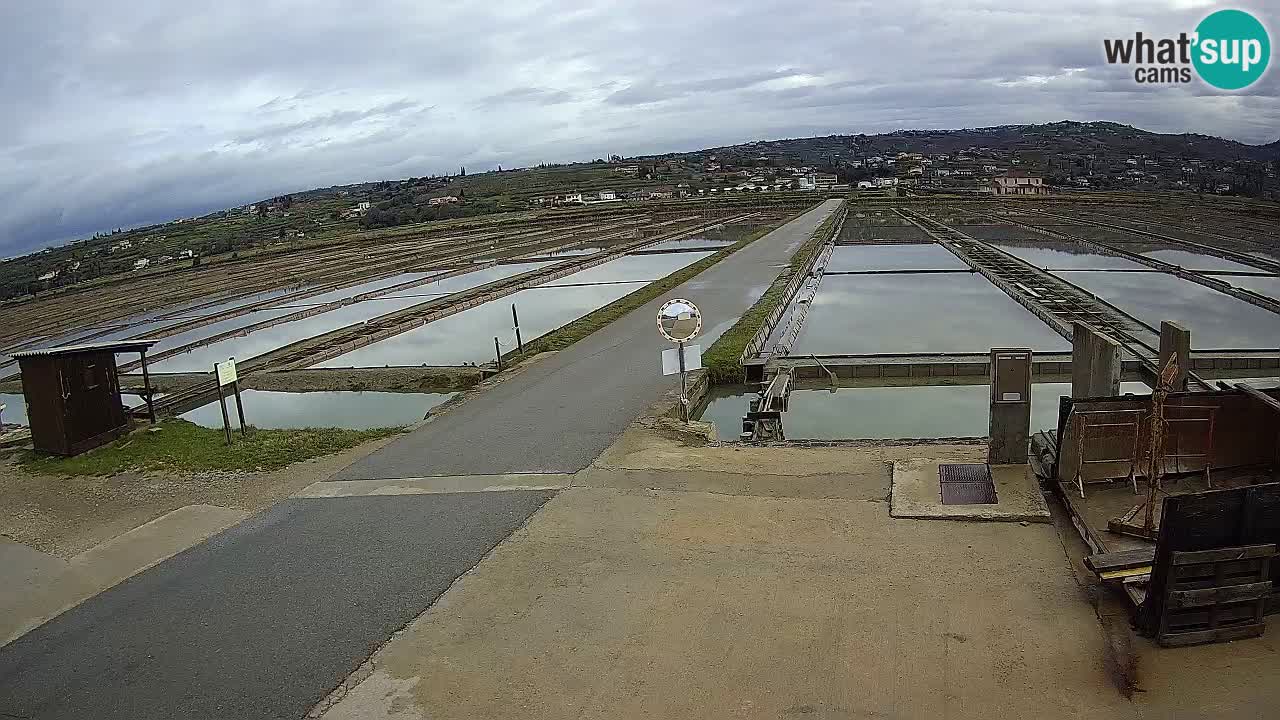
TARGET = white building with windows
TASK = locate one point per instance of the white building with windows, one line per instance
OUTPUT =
(1018, 182)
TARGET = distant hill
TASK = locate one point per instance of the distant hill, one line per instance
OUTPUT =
(1062, 150)
(1059, 138)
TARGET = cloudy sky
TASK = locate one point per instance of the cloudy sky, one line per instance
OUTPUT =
(118, 113)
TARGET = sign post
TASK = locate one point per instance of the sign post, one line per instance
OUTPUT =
(226, 375)
(680, 321)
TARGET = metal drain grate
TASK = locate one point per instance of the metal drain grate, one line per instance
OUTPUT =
(966, 484)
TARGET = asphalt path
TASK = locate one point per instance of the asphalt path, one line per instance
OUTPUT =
(561, 413)
(261, 621)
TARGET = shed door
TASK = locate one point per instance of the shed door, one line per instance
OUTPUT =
(92, 398)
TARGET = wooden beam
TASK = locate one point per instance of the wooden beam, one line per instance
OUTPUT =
(1142, 571)
(1260, 396)
(1183, 599)
(1228, 554)
(1124, 559)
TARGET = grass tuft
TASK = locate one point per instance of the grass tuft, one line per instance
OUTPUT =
(723, 360)
(181, 446)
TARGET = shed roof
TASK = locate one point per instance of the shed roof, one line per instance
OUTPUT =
(118, 346)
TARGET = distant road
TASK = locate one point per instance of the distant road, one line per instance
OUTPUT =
(563, 412)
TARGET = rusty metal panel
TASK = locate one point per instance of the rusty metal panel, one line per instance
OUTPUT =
(963, 472)
(964, 493)
(966, 484)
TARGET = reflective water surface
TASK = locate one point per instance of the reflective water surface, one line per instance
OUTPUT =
(866, 314)
(271, 338)
(893, 256)
(1196, 261)
(15, 411)
(1068, 255)
(1261, 284)
(1217, 321)
(690, 242)
(879, 413)
(467, 337)
(342, 409)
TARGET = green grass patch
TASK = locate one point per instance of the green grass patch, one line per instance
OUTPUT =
(181, 446)
(723, 360)
(593, 321)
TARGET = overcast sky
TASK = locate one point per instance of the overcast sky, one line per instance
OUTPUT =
(119, 113)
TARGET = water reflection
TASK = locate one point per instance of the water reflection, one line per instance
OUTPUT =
(15, 411)
(467, 337)
(1261, 284)
(1068, 255)
(200, 333)
(865, 314)
(341, 409)
(882, 413)
(271, 338)
(1217, 321)
(354, 290)
(1197, 261)
(894, 256)
(689, 242)
(562, 254)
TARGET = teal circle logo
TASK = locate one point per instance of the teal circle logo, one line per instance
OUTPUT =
(1232, 49)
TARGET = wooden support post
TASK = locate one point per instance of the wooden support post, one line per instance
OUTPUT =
(226, 420)
(146, 388)
(497, 352)
(1175, 341)
(1095, 363)
(244, 428)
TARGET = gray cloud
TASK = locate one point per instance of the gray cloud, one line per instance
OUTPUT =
(530, 95)
(125, 112)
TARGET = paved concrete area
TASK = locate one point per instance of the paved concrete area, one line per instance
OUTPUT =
(649, 603)
(61, 587)
(916, 495)
(262, 620)
(21, 566)
(559, 414)
(648, 448)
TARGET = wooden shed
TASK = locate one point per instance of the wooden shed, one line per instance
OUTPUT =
(73, 394)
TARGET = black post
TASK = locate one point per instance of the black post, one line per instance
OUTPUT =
(684, 401)
(146, 387)
(222, 400)
(235, 386)
(497, 351)
(516, 319)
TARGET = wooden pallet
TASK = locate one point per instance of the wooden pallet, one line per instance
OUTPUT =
(1215, 595)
